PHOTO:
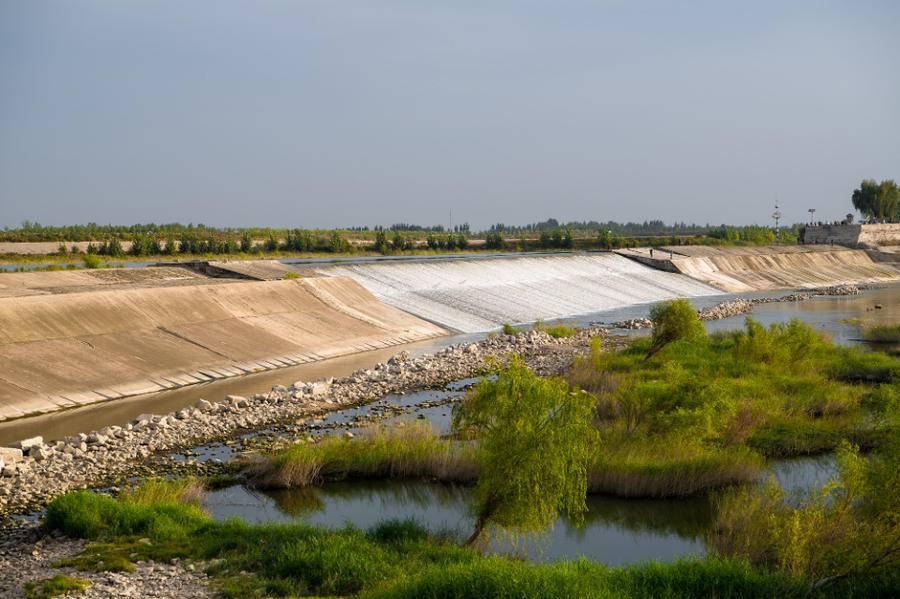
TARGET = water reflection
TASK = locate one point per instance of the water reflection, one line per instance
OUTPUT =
(615, 531)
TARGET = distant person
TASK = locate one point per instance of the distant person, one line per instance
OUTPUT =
(651, 252)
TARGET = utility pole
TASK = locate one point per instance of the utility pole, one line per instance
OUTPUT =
(777, 216)
(812, 214)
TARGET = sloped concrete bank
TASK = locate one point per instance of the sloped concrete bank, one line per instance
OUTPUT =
(67, 349)
(764, 268)
(34, 471)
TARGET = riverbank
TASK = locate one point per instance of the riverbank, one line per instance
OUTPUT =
(38, 471)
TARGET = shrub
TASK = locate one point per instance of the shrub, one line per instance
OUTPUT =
(848, 529)
(91, 261)
(674, 320)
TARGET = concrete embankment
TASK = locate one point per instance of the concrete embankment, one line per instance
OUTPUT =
(41, 470)
(741, 269)
(480, 295)
(65, 349)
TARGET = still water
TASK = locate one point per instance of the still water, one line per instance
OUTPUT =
(615, 531)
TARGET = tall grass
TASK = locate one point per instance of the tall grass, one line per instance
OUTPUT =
(886, 333)
(400, 453)
(666, 467)
(779, 391)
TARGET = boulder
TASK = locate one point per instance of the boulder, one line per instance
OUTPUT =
(10, 455)
(26, 444)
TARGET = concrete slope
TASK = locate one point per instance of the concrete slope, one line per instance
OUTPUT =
(69, 349)
(79, 281)
(480, 295)
(764, 268)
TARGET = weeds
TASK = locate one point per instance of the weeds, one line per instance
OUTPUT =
(887, 333)
(414, 451)
(58, 584)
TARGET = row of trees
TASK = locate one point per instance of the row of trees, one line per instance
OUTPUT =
(878, 200)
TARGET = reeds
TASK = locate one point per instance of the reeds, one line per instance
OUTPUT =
(395, 453)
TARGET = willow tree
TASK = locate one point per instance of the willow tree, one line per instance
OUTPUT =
(534, 441)
(878, 200)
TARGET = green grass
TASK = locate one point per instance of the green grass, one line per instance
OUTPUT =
(779, 392)
(557, 331)
(394, 559)
(401, 453)
(58, 584)
(885, 333)
(663, 467)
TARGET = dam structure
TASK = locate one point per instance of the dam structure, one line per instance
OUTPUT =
(66, 342)
(472, 296)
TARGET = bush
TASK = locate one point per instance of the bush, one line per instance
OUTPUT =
(91, 261)
(850, 528)
(674, 320)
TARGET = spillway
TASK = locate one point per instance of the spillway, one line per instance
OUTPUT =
(480, 295)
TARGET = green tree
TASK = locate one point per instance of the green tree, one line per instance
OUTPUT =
(877, 200)
(246, 242)
(674, 320)
(381, 242)
(534, 443)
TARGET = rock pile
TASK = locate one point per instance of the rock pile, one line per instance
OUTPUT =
(37, 471)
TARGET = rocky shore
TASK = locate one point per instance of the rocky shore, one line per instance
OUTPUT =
(736, 307)
(34, 472)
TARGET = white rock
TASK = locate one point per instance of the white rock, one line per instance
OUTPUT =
(26, 444)
(10, 455)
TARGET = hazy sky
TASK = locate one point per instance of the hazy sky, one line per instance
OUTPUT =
(341, 112)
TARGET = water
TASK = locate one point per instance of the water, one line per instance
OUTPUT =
(615, 531)
(57, 425)
(481, 295)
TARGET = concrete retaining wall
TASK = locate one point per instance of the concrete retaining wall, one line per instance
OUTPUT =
(854, 235)
(59, 351)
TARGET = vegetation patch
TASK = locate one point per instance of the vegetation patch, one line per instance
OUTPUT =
(886, 333)
(394, 559)
(56, 585)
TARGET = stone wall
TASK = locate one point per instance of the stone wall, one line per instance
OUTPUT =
(853, 235)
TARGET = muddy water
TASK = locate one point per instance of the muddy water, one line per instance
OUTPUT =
(121, 411)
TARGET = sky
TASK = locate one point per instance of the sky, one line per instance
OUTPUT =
(324, 113)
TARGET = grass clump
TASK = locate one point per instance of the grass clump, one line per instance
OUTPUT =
(413, 451)
(557, 331)
(885, 333)
(56, 585)
(509, 329)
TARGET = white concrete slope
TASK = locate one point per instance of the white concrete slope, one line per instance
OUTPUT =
(480, 295)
